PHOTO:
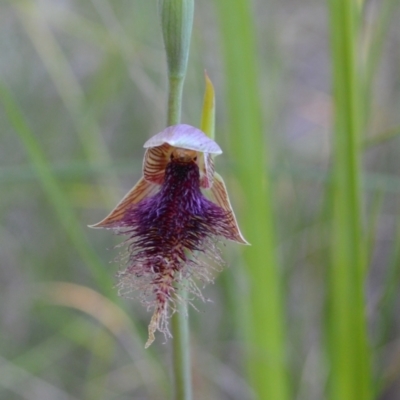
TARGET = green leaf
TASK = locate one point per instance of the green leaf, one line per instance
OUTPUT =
(208, 113)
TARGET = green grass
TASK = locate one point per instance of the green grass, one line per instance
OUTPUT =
(307, 104)
(350, 359)
(266, 329)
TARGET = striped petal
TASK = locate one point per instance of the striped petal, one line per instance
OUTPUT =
(207, 170)
(160, 146)
(141, 190)
(220, 196)
(186, 137)
(155, 162)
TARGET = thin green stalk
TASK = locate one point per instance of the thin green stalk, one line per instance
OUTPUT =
(181, 353)
(176, 23)
(349, 353)
(180, 320)
(266, 332)
(175, 101)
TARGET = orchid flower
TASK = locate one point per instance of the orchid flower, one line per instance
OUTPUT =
(170, 223)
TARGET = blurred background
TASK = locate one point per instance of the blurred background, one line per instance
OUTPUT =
(83, 85)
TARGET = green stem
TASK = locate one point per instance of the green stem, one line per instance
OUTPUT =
(174, 101)
(349, 350)
(179, 321)
(176, 23)
(181, 353)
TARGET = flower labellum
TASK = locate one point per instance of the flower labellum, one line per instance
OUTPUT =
(172, 227)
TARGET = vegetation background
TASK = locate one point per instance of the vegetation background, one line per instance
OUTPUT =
(82, 86)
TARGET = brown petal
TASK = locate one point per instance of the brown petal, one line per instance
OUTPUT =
(221, 197)
(141, 190)
(155, 162)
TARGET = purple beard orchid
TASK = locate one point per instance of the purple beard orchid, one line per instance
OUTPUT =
(172, 227)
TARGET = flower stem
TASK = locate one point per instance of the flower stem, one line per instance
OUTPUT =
(174, 101)
(181, 353)
(176, 23)
(179, 321)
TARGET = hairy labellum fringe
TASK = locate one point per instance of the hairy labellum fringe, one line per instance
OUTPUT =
(169, 233)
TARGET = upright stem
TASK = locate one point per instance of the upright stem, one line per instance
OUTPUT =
(181, 353)
(179, 321)
(347, 334)
(176, 23)
(174, 101)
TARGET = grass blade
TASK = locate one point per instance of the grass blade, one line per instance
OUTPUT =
(266, 336)
(349, 353)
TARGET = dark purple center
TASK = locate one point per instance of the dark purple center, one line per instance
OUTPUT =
(178, 217)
